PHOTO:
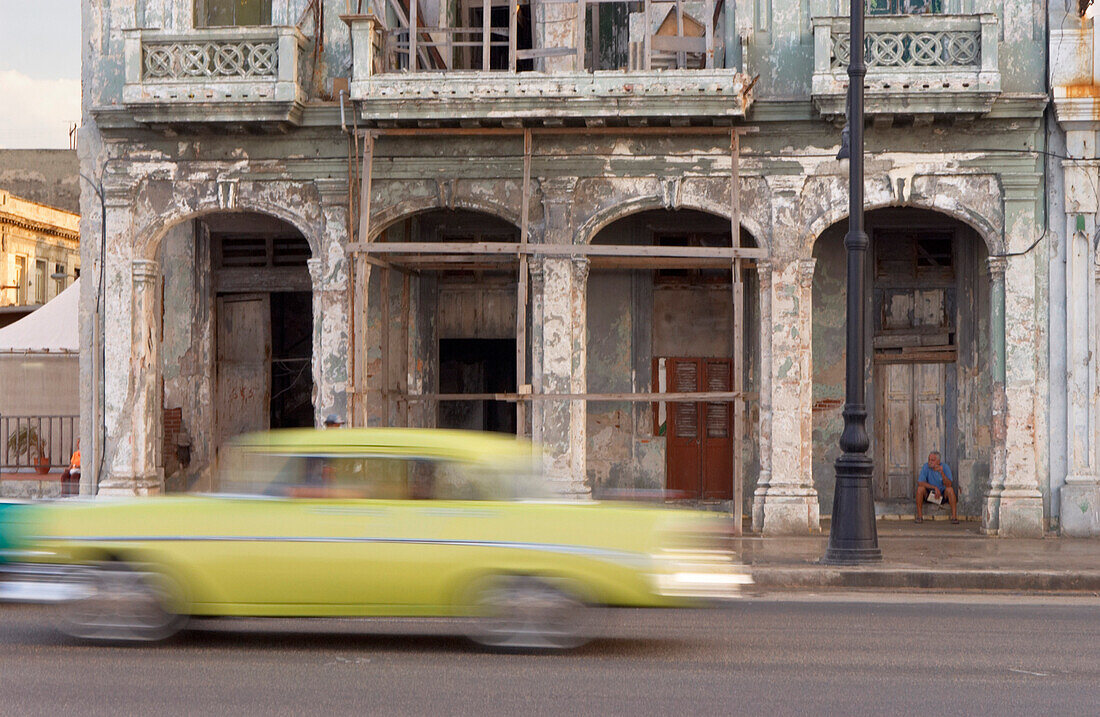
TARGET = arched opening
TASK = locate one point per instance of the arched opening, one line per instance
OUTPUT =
(447, 325)
(236, 328)
(928, 372)
(669, 325)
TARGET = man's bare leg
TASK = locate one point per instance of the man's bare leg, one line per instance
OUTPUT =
(949, 490)
(921, 493)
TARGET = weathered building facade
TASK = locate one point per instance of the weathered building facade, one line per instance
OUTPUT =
(518, 218)
(1074, 269)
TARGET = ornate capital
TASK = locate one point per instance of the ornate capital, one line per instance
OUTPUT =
(538, 274)
(996, 266)
(316, 266)
(806, 272)
(333, 191)
(557, 188)
(117, 190)
(580, 269)
(144, 271)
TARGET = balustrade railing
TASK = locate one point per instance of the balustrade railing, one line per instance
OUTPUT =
(240, 67)
(917, 64)
(43, 442)
(209, 60)
(913, 49)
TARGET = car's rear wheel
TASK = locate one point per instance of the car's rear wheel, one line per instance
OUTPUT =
(526, 612)
(122, 603)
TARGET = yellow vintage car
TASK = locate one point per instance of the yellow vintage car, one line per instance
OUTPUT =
(364, 522)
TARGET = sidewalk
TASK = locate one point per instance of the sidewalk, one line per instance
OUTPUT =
(932, 556)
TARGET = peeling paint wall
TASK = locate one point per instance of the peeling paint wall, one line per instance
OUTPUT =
(187, 353)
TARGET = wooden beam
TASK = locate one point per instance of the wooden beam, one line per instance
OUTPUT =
(738, 335)
(585, 131)
(521, 286)
(513, 21)
(241, 279)
(685, 397)
(486, 17)
(360, 282)
(566, 250)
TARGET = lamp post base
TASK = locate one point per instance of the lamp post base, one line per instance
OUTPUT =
(853, 537)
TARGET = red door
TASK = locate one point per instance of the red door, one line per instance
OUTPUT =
(699, 440)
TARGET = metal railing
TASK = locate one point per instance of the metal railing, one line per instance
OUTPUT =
(23, 439)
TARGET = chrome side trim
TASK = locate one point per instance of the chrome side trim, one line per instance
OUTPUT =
(621, 556)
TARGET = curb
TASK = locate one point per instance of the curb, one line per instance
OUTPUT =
(805, 578)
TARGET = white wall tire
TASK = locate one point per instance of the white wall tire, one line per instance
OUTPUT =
(527, 613)
(123, 603)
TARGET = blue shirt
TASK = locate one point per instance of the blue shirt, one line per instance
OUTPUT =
(931, 477)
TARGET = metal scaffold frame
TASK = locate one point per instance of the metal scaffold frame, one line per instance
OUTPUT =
(409, 257)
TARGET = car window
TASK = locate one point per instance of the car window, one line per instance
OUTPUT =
(297, 475)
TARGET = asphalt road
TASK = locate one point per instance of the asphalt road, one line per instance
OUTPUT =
(775, 655)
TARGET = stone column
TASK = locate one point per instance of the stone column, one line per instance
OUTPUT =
(559, 345)
(1080, 495)
(563, 362)
(790, 503)
(764, 277)
(328, 271)
(1021, 501)
(992, 509)
(134, 469)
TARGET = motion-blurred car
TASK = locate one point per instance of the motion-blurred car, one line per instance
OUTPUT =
(364, 522)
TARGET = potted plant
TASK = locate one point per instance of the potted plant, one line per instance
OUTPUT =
(25, 440)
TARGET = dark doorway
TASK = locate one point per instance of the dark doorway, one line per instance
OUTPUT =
(477, 366)
(291, 359)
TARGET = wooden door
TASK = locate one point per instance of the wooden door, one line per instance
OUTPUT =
(699, 453)
(911, 380)
(243, 368)
(684, 458)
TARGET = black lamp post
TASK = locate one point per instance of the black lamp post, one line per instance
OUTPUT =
(852, 536)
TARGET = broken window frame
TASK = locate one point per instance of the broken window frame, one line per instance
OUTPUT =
(232, 13)
(905, 7)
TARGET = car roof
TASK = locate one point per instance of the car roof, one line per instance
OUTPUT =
(465, 446)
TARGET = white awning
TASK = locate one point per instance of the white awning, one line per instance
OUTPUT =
(54, 328)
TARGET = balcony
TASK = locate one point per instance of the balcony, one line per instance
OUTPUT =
(498, 67)
(248, 76)
(917, 65)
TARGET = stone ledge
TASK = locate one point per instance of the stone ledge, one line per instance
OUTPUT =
(822, 577)
(498, 96)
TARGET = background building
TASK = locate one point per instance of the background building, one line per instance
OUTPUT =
(36, 242)
(536, 218)
(1074, 269)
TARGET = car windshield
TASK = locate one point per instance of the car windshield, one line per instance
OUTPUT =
(249, 471)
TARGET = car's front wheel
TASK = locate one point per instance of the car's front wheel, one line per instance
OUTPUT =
(121, 603)
(528, 612)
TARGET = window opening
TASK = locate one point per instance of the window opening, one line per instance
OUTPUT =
(690, 276)
(40, 282)
(247, 251)
(904, 7)
(20, 280)
(232, 13)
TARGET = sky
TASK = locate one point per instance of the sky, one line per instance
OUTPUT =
(39, 72)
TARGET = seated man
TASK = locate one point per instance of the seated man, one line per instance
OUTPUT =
(70, 477)
(935, 480)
